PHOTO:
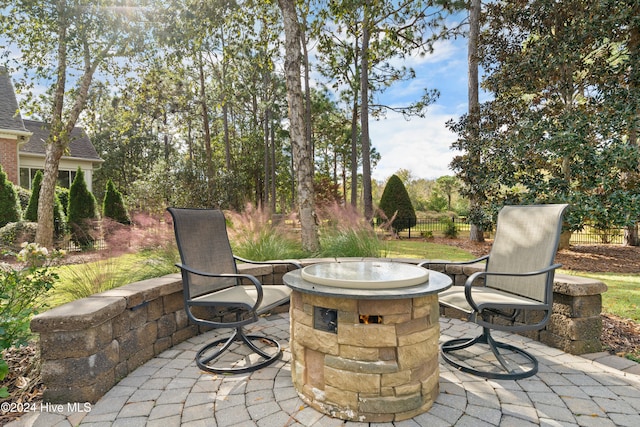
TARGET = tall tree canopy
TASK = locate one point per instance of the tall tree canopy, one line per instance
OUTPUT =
(186, 101)
(560, 126)
(357, 43)
(64, 43)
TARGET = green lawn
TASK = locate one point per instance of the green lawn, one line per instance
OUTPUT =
(623, 295)
(424, 250)
(82, 280)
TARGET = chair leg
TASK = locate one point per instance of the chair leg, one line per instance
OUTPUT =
(510, 372)
(208, 355)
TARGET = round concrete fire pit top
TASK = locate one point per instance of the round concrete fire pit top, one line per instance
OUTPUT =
(353, 286)
(365, 275)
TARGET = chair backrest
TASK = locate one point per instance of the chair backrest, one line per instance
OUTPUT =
(203, 243)
(526, 240)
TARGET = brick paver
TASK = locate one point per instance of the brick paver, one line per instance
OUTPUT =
(170, 391)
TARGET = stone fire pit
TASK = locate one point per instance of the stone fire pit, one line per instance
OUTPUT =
(364, 338)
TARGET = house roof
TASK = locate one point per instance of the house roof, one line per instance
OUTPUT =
(10, 118)
(11, 121)
(79, 147)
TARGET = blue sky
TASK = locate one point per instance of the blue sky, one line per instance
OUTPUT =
(422, 145)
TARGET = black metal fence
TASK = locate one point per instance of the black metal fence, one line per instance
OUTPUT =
(439, 227)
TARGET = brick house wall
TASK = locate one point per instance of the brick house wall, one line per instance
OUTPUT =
(9, 158)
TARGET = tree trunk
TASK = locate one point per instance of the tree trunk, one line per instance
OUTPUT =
(207, 132)
(225, 108)
(273, 169)
(354, 152)
(299, 144)
(631, 237)
(55, 146)
(476, 233)
(354, 134)
(307, 95)
(266, 158)
(364, 118)
(60, 130)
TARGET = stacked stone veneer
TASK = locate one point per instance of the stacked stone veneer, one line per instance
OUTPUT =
(376, 372)
(88, 345)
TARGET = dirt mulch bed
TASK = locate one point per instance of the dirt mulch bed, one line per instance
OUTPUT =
(590, 258)
(23, 382)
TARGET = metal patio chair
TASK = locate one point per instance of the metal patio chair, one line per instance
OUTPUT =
(514, 293)
(214, 291)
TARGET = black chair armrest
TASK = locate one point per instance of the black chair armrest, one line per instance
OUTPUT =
(473, 261)
(249, 277)
(468, 286)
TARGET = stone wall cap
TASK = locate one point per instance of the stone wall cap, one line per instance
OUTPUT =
(567, 284)
(79, 314)
(255, 269)
(154, 287)
(137, 293)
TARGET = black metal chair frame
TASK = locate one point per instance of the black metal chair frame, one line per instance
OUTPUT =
(229, 300)
(483, 313)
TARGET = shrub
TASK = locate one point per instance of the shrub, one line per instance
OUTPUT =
(255, 236)
(63, 196)
(346, 233)
(450, 230)
(113, 205)
(9, 207)
(31, 213)
(82, 211)
(22, 292)
(396, 205)
(23, 197)
(14, 234)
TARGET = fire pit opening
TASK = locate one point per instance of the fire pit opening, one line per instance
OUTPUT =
(370, 319)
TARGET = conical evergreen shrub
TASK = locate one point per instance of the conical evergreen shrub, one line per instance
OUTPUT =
(82, 211)
(31, 213)
(9, 207)
(396, 199)
(113, 205)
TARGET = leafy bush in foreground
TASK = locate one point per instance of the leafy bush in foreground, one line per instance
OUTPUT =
(21, 296)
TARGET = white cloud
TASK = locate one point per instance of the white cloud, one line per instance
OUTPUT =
(421, 145)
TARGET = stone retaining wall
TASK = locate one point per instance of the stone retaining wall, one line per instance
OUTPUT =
(88, 345)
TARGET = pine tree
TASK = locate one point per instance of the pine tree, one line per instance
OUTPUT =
(113, 205)
(82, 211)
(9, 206)
(395, 201)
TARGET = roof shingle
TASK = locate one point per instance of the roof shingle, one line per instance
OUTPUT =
(10, 118)
(79, 147)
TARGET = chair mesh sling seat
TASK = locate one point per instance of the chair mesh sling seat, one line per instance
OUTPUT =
(214, 291)
(514, 293)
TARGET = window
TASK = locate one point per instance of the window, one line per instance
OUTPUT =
(65, 177)
(25, 178)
